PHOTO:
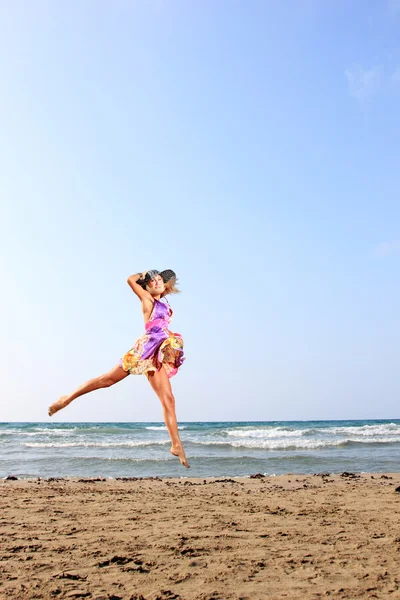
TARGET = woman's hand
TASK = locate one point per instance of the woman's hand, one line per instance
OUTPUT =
(138, 276)
(139, 291)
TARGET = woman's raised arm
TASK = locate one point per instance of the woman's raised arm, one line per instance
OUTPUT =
(139, 291)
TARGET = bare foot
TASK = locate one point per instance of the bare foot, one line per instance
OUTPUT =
(56, 406)
(180, 453)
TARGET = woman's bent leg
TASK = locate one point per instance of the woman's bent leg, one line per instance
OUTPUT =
(116, 374)
(161, 385)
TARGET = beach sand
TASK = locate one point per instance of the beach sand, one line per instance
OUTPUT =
(292, 536)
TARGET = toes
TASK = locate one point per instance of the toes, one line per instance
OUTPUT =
(181, 456)
(53, 409)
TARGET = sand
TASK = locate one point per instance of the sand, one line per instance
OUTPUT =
(289, 537)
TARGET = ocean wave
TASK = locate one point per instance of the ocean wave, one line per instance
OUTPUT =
(80, 431)
(269, 432)
(367, 430)
(293, 444)
(96, 444)
(162, 427)
(50, 432)
(128, 459)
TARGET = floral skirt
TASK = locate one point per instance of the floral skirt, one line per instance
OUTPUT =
(151, 351)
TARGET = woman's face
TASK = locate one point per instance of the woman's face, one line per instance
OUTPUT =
(156, 286)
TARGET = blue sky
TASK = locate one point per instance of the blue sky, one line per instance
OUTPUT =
(253, 148)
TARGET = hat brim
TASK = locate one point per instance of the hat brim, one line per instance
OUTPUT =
(166, 276)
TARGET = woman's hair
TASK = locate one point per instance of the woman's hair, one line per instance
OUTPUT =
(170, 287)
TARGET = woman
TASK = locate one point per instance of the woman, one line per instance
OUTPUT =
(158, 353)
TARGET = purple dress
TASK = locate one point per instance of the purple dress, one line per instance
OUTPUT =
(158, 346)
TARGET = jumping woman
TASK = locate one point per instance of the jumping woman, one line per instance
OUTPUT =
(158, 353)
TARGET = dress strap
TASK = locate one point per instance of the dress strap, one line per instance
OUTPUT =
(168, 306)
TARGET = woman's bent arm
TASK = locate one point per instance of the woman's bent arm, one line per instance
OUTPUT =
(139, 291)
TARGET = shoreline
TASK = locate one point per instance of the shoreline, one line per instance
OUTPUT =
(219, 478)
(286, 536)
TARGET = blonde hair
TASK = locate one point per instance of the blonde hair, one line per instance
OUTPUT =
(170, 287)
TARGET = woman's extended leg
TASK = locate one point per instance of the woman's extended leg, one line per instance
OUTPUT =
(116, 374)
(161, 385)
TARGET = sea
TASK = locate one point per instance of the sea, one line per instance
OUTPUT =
(216, 449)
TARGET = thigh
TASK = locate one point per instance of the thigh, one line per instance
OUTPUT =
(160, 382)
(116, 374)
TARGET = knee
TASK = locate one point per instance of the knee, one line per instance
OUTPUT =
(168, 401)
(105, 381)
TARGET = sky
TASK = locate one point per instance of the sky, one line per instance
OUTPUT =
(254, 148)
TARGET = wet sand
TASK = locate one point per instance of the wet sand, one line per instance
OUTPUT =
(292, 536)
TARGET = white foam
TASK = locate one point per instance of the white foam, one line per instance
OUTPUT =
(265, 433)
(162, 427)
(94, 444)
(274, 444)
(271, 432)
(51, 432)
(367, 430)
(299, 443)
